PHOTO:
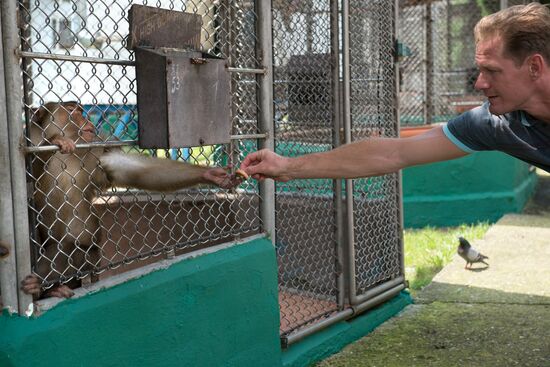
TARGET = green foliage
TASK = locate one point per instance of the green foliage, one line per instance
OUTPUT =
(429, 249)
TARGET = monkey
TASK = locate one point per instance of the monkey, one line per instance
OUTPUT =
(67, 181)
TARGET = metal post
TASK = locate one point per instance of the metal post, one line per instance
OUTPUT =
(503, 4)
(428, 64)
(8, 270)
(336, 141)
(13, 80)
(398, 128)
(265, 116)
(347, 133)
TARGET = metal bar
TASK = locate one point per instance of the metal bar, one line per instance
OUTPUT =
(428, 64)
(249, 136)
(336, 141)
(123, 143)
(56, 57)
(265, 115)
(99, 60)
(381, 298)
(8, 266)
(347, 133)
(397, 109)
(371, 293)
(341, 316)
(248, 70)
(329, 321)
(503, 4)
(49, 148)
(14, 108)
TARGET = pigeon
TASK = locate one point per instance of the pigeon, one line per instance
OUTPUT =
(470, 254)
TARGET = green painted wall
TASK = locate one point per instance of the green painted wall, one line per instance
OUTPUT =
(479, 187)
(218, 309)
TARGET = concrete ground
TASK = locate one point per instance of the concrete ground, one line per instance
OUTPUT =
(489, 316)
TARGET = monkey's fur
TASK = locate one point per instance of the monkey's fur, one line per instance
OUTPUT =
(68, 180)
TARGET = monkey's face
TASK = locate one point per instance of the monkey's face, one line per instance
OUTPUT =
(78, 127)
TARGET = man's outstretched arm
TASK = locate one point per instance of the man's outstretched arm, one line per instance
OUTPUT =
(365, 158)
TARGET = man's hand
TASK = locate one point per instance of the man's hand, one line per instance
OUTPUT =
(267, 164)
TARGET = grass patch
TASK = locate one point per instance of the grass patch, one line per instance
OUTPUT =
(429, 249)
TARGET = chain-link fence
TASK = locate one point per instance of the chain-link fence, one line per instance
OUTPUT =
(334, 81)
(75, 50)
(438, 70)
(326, 54)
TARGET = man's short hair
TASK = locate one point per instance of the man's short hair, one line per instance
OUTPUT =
(524, 30)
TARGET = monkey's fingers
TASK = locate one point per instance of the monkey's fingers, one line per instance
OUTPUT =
(65, 145)
(220, 178)
(31, 285)
(60, 291)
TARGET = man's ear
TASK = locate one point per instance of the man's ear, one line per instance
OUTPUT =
(536, 65)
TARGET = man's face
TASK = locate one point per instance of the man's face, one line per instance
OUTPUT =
(506, 85)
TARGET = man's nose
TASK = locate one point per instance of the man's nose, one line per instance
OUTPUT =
(481, 82)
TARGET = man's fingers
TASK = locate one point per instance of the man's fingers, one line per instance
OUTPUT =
(240, 173)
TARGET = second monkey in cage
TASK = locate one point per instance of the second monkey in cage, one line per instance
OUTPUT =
(68, 180)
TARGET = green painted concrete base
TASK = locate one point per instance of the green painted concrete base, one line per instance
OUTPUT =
(481, 187)
(218, 309)
(331, 340)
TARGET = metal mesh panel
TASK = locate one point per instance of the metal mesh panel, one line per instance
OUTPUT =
(305, 225)
(76, 52)
(373, 114)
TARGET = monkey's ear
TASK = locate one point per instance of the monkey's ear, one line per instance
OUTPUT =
(38, 114)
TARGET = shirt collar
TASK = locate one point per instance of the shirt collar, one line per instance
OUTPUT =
(524, 119)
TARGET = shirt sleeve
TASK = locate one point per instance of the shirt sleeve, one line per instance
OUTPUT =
(474, 130)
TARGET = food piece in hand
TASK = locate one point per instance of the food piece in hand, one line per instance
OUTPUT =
(243, 174)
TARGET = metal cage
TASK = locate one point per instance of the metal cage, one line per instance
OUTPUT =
(306, 76)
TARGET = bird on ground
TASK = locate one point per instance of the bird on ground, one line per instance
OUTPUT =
(470, 254)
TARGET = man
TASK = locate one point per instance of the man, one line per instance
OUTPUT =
(513, 57)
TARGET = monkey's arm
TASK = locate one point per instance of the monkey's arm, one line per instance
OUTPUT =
(130, 170)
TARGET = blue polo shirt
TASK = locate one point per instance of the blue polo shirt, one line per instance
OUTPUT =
(515, 133)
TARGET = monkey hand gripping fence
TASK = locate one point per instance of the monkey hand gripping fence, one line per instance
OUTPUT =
(305, 76)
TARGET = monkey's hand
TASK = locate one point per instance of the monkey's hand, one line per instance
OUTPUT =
(31, 285)
(220, 177)
(65, 144)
